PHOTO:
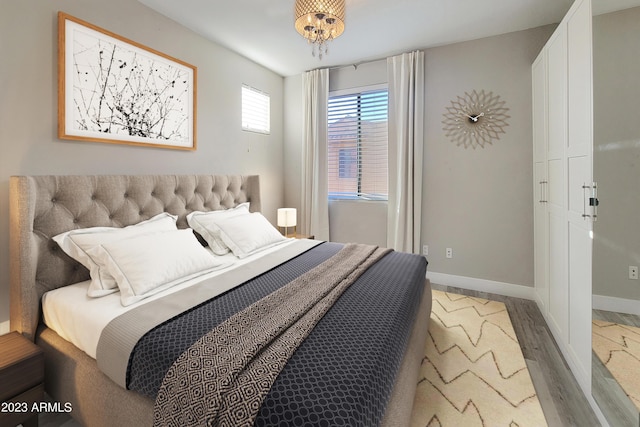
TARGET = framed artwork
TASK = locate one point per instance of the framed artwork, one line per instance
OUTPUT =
(114, 90)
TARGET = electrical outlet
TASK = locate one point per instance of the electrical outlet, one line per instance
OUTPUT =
(425, 250)
(633, 272)
(449, 253)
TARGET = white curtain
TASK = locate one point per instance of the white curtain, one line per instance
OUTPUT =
(314, 218)
(406, 130)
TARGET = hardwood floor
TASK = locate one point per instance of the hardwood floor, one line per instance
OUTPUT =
(619, 410)
(561, 398)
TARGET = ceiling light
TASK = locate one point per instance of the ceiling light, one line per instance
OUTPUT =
(319, 21)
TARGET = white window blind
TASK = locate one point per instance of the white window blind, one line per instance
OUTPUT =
(256, 110)
(357, 146)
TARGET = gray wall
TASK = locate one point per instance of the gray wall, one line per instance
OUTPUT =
(478, 202)
(616, 69)
(28, 107)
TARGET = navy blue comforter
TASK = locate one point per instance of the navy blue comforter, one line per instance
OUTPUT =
(342, 374)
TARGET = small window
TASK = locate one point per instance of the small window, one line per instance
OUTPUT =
(357, 146)
(256, 110)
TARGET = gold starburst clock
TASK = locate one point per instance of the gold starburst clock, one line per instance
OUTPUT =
(475, 119)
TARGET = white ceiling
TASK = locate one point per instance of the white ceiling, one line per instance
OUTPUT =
(262, 30)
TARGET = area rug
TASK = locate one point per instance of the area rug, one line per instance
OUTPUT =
(618, 347)
(473, 372)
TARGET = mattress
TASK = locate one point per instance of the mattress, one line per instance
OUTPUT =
(80, 319)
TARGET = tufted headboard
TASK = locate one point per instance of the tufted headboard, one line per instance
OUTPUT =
(44, 206)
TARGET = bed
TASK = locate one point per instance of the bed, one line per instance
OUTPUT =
(42, 207)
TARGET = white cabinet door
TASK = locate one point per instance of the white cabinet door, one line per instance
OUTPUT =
(556, 172)
(541, 229)
(580, 176)
(539, 108)
(541, 233)
(563, 146)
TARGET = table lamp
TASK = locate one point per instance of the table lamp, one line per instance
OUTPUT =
(287, 218)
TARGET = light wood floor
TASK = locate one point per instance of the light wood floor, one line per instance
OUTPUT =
(562, 400)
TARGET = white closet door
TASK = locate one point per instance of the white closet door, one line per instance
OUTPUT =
(580, 175)
(541, 229)
(539, 97)
(558, 312)
(563, 253)
(541, 233)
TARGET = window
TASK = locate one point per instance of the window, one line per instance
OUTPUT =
(348, 163)
(357, 146)
(256, 110)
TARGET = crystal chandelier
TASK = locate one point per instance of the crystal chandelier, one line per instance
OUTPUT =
(319, 21)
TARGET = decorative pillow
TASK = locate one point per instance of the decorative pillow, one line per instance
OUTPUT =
(76, 243)
(149, 263)
(248, 234)
(205, 223)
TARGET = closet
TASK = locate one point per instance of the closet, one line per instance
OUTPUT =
(564, 192)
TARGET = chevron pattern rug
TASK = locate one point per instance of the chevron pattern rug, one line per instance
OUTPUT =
(473, 372)
(618, 347)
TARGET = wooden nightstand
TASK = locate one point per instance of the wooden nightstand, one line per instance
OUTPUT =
(21, 380)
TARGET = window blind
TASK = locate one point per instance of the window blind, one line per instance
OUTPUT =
(256, 110)
(357, 145)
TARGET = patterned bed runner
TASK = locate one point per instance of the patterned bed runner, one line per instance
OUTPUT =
(122, 335)
(223, 378)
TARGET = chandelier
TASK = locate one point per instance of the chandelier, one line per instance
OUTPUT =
(319, 21)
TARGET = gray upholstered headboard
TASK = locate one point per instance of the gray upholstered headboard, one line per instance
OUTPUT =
(43, 206)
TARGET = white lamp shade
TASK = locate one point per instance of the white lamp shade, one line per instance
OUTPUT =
(287, 217)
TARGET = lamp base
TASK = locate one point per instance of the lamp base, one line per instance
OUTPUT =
(286, 231)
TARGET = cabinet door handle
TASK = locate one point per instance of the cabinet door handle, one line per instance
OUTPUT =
(593, 200)
(585, 187)
(543, 192)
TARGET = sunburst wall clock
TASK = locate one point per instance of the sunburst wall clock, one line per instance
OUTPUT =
(475, 119)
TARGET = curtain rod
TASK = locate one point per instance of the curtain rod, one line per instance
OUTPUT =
(356, 64)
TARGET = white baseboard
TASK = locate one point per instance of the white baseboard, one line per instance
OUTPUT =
(5, 327)
(483, 285)
(619, 305)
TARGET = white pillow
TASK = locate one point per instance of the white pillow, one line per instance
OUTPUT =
(248, 234)
(149, 263)
(76, 243)
(205, 223)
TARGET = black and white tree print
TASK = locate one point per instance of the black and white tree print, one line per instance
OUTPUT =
(121, 90)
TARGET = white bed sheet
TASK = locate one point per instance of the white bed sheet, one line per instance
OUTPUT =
(80, 319)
